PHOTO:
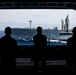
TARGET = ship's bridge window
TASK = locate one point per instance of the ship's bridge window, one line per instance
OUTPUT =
(56, 24)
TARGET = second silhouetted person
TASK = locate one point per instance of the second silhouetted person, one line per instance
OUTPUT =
(40, 42)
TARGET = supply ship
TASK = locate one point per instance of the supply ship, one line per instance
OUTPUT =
(53, 34)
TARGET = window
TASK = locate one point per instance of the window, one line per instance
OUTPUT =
(25, 21)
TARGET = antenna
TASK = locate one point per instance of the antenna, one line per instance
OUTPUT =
(30, 22)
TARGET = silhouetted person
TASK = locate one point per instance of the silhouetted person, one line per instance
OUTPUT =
(40, 42)
(71, 50)
(8, 47)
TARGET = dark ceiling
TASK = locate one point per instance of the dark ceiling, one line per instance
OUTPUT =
(22, 4)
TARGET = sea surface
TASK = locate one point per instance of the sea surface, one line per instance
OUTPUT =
(30, 42)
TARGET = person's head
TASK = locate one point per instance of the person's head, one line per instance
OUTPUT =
(74, 31)
(39, 29)
(8, 31)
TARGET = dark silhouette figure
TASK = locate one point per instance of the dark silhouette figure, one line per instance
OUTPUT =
(8, 47)
(71, 51)
(40, 42)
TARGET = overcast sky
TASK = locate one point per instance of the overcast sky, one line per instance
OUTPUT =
(47, 18)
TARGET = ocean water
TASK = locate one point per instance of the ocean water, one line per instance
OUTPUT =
(30, 42)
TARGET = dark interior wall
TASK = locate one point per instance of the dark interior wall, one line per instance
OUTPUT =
(37, 1)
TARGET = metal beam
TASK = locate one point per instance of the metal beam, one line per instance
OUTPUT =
(21, 4)
(3, 4)
(65, 4)
(12, 4)
(56, 3)
(45, 5)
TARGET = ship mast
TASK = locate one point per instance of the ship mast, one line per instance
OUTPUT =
(67, 23)
(30, 22)
(62, 22)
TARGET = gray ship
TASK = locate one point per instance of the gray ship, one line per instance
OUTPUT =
(53, 34)
(27, 33)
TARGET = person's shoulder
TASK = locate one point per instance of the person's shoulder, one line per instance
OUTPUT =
(69, 38)
(44, 36)
(13, 39)
(2, 37)
(34, 36)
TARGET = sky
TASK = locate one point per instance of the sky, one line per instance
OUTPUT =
(46, 18)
